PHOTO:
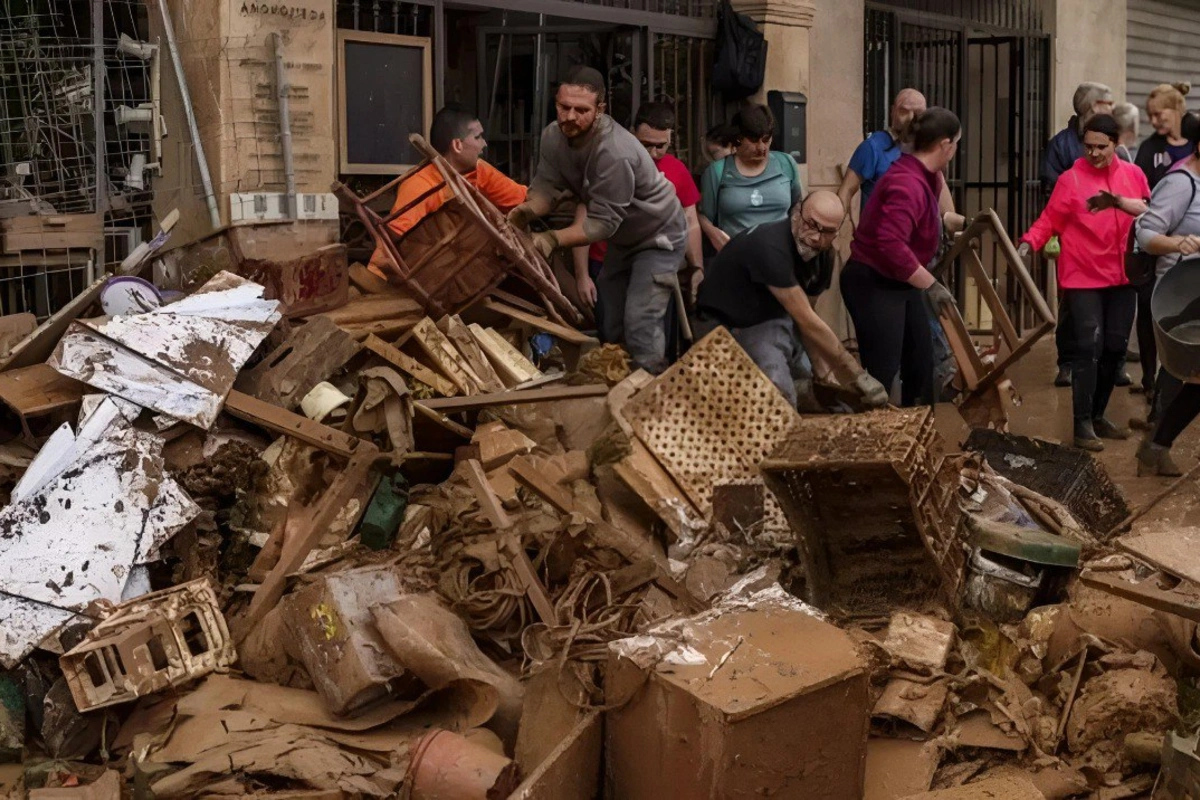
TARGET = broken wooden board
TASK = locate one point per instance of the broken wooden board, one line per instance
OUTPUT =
(509, 362)
(13, 330)
(279, 420)
(567, 334)
(410, 366)
(462, 339)
(438, 349)
(181, 359)
(381, 314)
(1171, 549)
(311, 354)
(572, 769)
(448, 405)
(1150, 596)
(39, 391)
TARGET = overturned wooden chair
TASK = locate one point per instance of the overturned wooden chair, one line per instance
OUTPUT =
(983, 380)
(462, 251)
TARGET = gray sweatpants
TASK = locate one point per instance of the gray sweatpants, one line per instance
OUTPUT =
(776, 349)
(635, 288)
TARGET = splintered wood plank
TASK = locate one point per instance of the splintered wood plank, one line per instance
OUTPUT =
(512, 365)
(280, 420)
(410, 366)
(1171, 549)
(461, 338)
(441, 352)
(563, 332)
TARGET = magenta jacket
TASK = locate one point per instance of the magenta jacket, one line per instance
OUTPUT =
(1093, 245)
(901, 225)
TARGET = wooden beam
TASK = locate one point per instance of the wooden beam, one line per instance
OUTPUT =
(1158, 599)
(494, 511)
(449, 405)
(409, 365)
(279, 420)
(567, 334)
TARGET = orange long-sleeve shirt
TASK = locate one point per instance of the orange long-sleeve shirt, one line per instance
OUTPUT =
(503, 191)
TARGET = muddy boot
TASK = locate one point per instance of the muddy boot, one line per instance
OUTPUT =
(1139, 424)
(1154, 459)
(1123, 378)
(1063, 378)
(1109, 430)
(1086, 438)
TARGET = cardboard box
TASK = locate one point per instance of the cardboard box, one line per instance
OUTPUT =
(755, 698)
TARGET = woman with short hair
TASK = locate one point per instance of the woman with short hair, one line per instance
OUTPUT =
(1091, 210)
(753, 185)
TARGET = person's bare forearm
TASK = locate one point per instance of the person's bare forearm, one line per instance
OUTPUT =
(539, 203)
(921, 278)
(824, 346)
(695, 241)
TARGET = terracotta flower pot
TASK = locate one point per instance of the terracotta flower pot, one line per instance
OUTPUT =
(447, 766)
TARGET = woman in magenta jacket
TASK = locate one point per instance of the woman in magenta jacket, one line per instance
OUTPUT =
(884, 280)
(1091, 211)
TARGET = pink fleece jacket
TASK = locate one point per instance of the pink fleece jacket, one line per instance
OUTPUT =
(1093, 245)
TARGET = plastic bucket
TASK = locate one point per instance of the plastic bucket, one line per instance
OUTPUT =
(1175, 307)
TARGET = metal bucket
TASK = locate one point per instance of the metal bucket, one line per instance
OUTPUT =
(1175, 308)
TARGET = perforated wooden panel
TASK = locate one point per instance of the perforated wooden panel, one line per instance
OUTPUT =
(712, 416)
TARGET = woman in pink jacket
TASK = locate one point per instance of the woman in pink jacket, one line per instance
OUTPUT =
(1091, 211)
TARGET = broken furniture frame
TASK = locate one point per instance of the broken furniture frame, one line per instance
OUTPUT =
(484, 249)
(980, 403)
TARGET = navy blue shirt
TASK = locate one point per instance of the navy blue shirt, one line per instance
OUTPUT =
(872, 158)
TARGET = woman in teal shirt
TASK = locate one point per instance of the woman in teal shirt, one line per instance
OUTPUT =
(754, 185)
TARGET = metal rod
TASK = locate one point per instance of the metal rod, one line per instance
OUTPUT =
(210, 197)
(98, 105)
(285, 125)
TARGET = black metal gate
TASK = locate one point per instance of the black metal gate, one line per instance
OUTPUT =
(997, 80)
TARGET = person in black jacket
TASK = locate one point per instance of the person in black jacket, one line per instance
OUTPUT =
(1061, 154)
(1175, 135)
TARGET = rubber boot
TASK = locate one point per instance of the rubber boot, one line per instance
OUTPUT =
(1109, 430)
(1154, 459)
(1086, 438)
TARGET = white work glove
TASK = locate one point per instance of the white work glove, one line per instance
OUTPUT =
(870, 390)
(940, 297)
(1024, 251)
(521, 216)
(546, 243)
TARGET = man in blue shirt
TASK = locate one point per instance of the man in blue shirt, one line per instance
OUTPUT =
(881, 149)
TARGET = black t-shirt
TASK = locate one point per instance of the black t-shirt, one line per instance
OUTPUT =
(734, 291)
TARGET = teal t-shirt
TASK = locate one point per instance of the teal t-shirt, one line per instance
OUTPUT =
(734, 202)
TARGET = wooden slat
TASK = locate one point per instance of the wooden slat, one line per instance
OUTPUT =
(282, 421)
(451, 404)
(410, 366)
(563, 332)
(437, 347)
(507, 360)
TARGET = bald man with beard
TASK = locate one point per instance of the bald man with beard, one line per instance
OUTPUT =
(759, 287)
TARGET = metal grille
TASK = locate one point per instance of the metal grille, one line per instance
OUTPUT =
(999, 87)
(385, 16)
(680, 75)
(1013, 15)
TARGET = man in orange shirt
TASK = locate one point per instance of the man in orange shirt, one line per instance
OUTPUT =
(457, 134)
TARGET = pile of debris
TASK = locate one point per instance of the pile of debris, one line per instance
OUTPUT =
(261, 544)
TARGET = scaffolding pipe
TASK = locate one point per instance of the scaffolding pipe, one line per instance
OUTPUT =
(201, 162)
(285, 126)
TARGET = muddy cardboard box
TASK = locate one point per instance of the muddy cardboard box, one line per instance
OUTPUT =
(755, 698)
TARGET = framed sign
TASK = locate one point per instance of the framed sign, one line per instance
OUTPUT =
(385, 92)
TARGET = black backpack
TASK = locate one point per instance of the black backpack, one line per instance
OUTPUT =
(741, 59)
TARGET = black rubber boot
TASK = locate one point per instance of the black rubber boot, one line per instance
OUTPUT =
(1086, 438)
(1154, 459)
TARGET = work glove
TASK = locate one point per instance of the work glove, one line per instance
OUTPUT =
(870, 390)
(1024, 251)
(940, 297)
(1102, 201)
(521, 216)
(546, 243)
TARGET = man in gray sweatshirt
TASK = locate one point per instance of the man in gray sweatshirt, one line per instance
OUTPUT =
(629, 203)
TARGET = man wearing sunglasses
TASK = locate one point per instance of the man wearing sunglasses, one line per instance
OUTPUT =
(759, 287)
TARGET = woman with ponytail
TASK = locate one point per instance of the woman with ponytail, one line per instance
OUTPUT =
(885, 281)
